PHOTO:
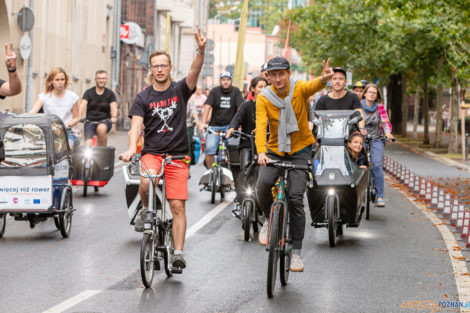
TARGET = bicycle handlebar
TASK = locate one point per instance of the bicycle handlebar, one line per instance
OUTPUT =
(287, 165)
(368, 138)
(237, 133)
(84, 120)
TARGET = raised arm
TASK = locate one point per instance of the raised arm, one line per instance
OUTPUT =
(191, 79)
(13, 85)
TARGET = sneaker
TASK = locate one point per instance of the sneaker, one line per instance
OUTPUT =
(237, 212)
(138, 224)
(380, 202)
(296, 264)
(263, 234)
(178, 261)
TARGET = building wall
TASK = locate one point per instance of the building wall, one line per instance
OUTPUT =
(73, 34)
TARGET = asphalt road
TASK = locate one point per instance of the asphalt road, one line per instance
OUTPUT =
(389, 259)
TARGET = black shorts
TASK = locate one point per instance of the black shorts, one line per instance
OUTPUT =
(90, 128)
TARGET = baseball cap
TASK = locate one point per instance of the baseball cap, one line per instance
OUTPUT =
(264, 66)
(340, 70)
(358, 84)
(226, 74)
(278, 63)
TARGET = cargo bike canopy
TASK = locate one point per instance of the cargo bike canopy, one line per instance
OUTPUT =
(32, 144)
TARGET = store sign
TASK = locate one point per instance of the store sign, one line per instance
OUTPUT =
(25, 193)
(133, 34)
(124, 32)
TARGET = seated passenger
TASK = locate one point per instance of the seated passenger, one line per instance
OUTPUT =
(356, 150)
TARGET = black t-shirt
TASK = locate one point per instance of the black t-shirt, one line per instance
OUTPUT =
(98, 107)
(164, 114)
(350, 101)
(1, 83)
(224, 105)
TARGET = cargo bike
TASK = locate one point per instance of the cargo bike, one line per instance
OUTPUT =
(339, 196)
(35, 169)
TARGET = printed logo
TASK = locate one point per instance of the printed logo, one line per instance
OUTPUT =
(225, 102)
(36, 201)
(165, 109)
(15, 200)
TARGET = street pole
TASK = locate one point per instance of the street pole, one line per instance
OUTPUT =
(29, 79)
(155, 24)
(117, 45)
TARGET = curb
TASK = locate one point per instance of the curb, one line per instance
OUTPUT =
(434, 156)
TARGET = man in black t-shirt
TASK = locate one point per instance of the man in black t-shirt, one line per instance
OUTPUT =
(339, 98)
(161, 108)
(100, 104)
(13, 86)
(221, 106)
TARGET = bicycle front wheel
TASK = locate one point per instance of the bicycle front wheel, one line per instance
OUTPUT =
(274, 247)
(169, 252)
(214, 184)
(146, 260)
(286, 256)
(247, 211)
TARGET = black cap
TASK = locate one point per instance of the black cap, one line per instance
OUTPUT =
(340, 70)
(278, 63)
(264, 66)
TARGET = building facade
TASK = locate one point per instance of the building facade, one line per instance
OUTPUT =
(75, 35)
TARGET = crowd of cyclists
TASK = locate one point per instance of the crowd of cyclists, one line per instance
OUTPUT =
(277, 109)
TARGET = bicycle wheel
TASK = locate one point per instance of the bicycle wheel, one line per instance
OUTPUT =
(286, 256)
(56, 222)
(167, 257)
(332, 227)
(3, 221)
(214, 184)
(274, 246)
(368, 199)
(86, 172)
(247, 211)
(65, 219)
(146, 260)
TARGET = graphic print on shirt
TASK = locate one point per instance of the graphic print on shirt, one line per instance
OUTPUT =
(225, 102)
(165, 109)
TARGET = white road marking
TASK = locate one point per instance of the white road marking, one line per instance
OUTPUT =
(67, 304)
(462, 278)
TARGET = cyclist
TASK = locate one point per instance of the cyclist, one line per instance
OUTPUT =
(100, 104)
(377, 125)
(358, 89)
(284, 107)
(162, 109)
(246, 118)
(221, 104)
(57, 99)
(339, 98)
(11, 87)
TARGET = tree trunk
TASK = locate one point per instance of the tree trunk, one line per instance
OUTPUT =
(454, 116)
(404, 108)
(426, 111)
(416, 112)
(440, 92)
(394, 88)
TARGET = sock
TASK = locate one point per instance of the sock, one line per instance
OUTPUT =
(297, 251)
(180, 252)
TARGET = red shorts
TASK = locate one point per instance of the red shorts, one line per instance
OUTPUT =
(176, 178)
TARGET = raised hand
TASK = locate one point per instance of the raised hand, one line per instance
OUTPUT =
(10, 57)
(201, 41)
(327, 72)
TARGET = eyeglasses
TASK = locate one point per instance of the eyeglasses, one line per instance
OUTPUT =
(371, 92)
(157, 66)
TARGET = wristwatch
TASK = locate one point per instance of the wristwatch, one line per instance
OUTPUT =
(12, 71)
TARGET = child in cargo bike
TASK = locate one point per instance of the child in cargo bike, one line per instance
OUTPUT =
(357, 151)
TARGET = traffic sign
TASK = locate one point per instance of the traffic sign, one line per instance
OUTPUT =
(25, 19)
(133, 35)
(124, 32)
(25, 47)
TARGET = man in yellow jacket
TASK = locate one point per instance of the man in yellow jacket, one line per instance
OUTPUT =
(284, 107)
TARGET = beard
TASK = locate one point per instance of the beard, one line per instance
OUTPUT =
(161, 80)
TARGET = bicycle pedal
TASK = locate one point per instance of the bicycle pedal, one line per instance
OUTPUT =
(177, 270)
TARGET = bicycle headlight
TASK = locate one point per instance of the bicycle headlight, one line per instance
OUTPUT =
(249, 191)
(88, 153)
(331, 191)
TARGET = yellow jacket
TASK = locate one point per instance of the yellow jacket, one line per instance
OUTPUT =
(268, 113)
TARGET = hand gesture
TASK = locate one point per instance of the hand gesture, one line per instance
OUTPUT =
(10, 57)
(201, 41)
(327, 72)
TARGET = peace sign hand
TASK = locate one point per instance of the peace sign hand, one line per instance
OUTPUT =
(327, 72)
(201, 41)
(10, 57)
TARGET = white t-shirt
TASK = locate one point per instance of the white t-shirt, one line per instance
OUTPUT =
(61, 107)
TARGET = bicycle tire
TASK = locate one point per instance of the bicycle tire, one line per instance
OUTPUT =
(331, 209)
(214, 184)
(284, 263)
(3, 220)
(147, 260)
(273, 258)
(86, 172)
(368, 199)
(65, 219)
(247, 211)
(166, 257)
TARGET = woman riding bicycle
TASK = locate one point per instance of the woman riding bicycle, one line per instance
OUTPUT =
(377, 125)
(57, 99)
(246, 118)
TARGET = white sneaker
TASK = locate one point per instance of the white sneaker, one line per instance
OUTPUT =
(296, 264)
(263, 234)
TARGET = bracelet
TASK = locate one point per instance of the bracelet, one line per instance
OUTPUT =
(12, 71)
(199, 51)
